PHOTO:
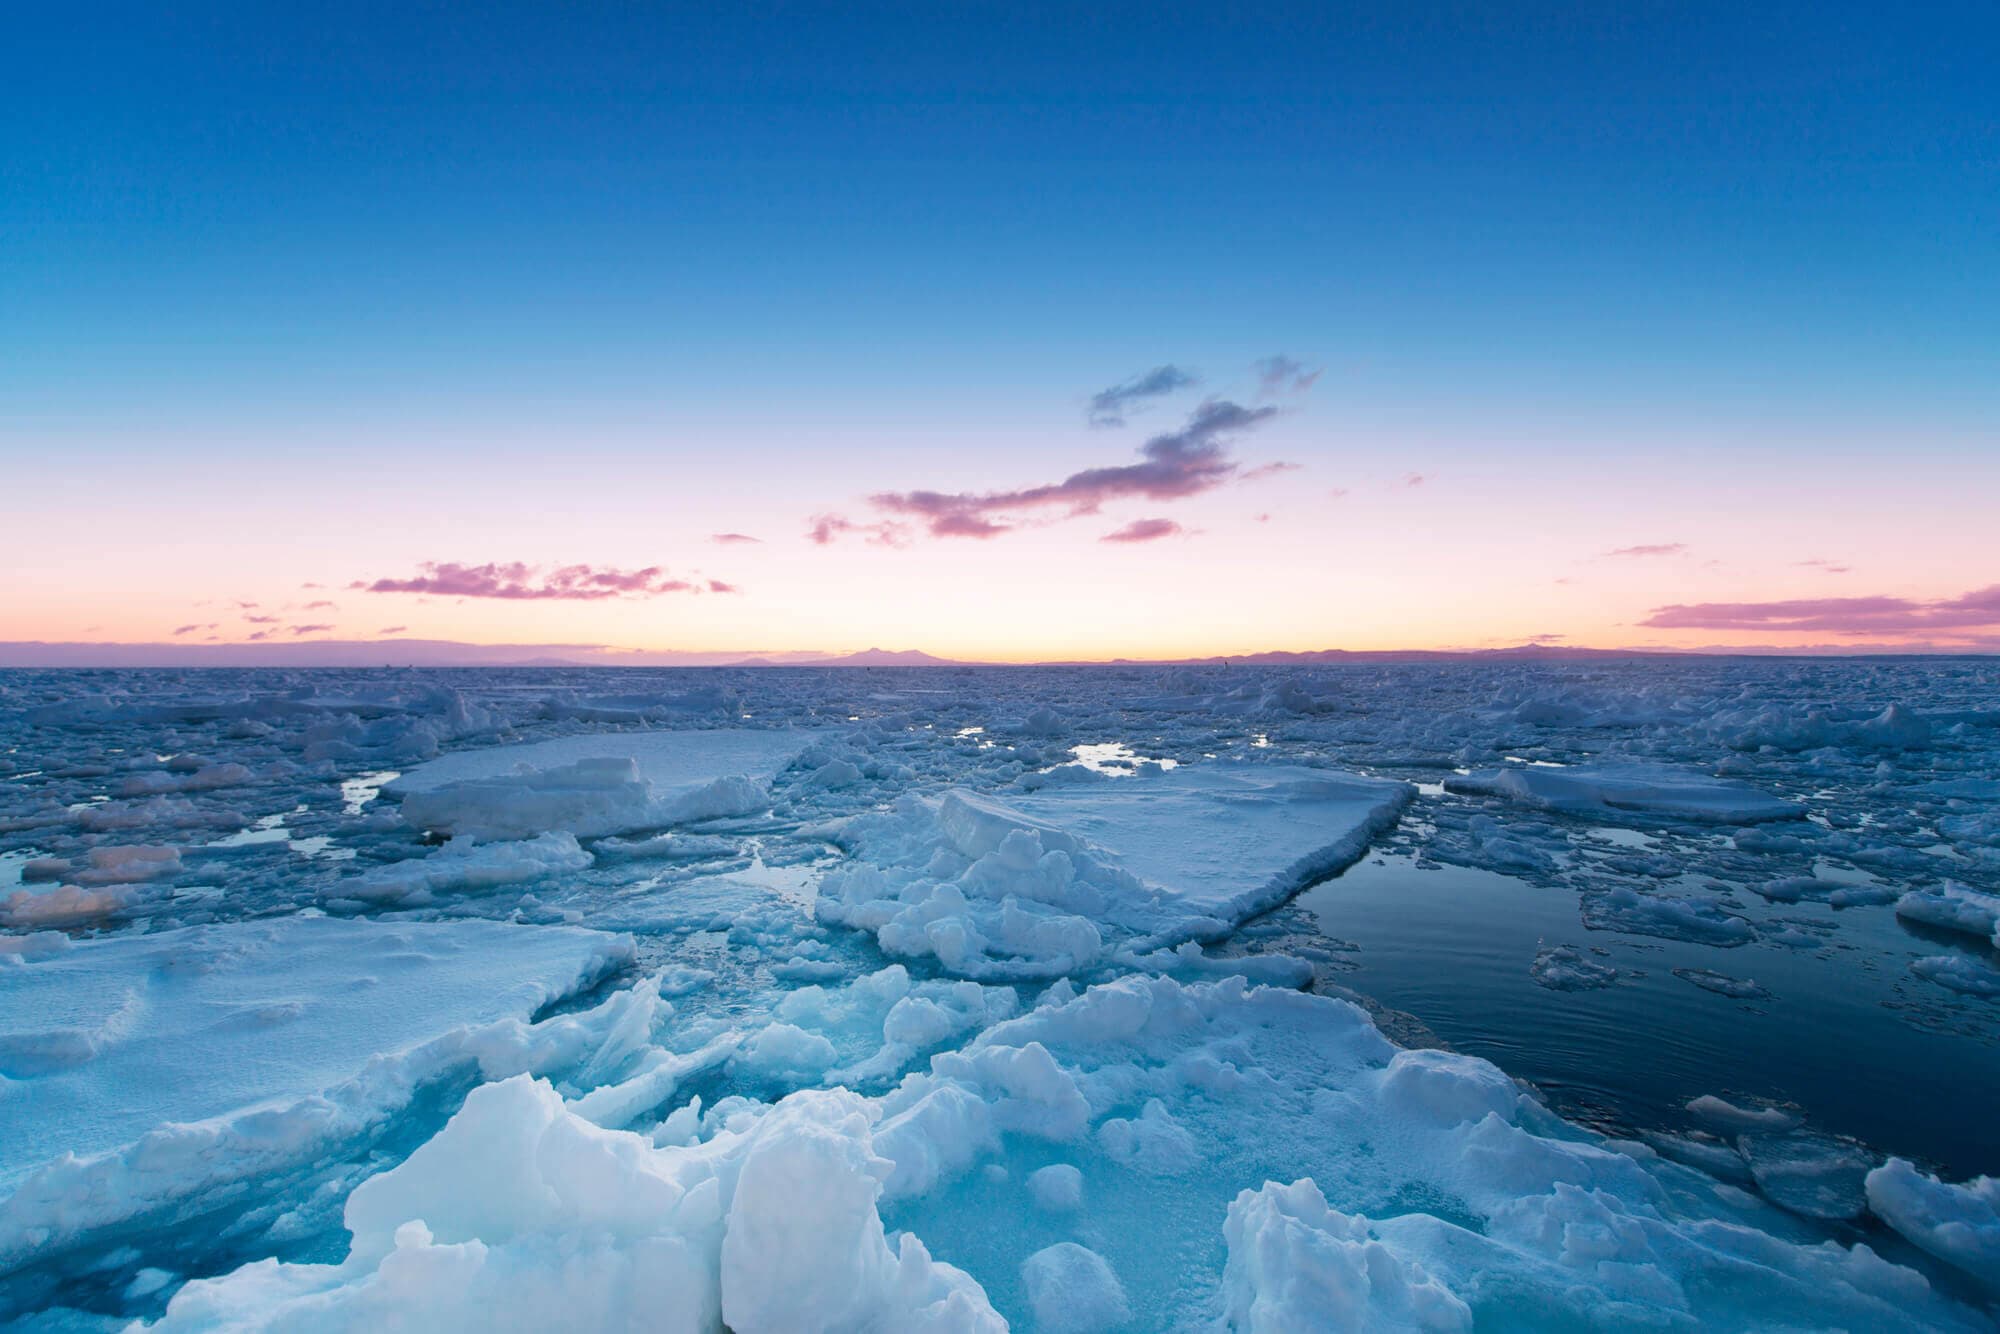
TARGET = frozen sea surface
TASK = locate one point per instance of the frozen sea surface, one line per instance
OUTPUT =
(1445, 996)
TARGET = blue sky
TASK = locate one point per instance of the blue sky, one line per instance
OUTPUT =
(885, 247)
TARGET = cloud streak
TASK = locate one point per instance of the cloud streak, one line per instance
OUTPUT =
(826, 529)
(1172, 466)
(1108, 406)
(1144, 530)
(1648, 549)
(1857, 616)
(518, 582)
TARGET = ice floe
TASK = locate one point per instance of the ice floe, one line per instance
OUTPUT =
(139, 1071)
(1047, 883)
(1628, 791)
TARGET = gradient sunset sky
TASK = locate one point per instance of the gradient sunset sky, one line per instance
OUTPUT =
(1005, 332)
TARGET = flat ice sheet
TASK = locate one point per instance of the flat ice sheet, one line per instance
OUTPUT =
(1647, 791)
(1046, 883)
(668, 760)
(1224, 839)
(109, 1039)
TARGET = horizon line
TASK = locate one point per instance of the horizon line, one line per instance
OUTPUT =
(407, 654)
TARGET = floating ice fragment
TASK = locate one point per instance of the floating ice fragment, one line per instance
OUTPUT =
(1630, 790)
(1563, 968)
(1960, 973)
(1958, 1224)
(1818, 1176)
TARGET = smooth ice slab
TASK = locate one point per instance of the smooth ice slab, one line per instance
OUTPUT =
(133, 1040)
(1046, 883)
(1610, 791)
(1224, 840)
(597, 785)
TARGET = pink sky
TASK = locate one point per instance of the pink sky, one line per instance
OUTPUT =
(1270, 524)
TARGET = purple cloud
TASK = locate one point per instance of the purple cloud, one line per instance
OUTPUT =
(829, 528)
(1650, 549)
(1174, 466)
(732, 539)
(717, 586)
(1414, 479)
(1860, 616)
(314, 606)
(1282, 375)
(515, 581)
(1144, 530)
(190, 629)
(309, 629)
(261, 620)
(1107, 406)
(1826, 566)
(392, 629)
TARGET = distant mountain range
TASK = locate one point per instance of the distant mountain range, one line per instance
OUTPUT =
(868, 657)
(451, 653)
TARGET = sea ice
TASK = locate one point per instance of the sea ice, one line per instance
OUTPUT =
(461, 866)
(522, 1215)
(1816, 1175)
(1722, 984)
(1625, 791)
(1563, 968)
(1954, 908)
(1965, 975)
(139, 1070)
(1958, 1224)
(1072, 1290)
(613, 783)
(1457, 1199)
(1044, 883)
(1697, 917)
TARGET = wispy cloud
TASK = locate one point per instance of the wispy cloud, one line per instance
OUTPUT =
(392, 629)
(516, 581)
(1282, 375)
(1414, 479)
(733, 539)
(261, 620)
(1144, 530)
(309, 629)
(825, 529)
(1173, 466)
(190, 629)
(1857, 616)
(315, 606)
(1649, 549)
(1826, 566)
(718, 586)
(1108, 406)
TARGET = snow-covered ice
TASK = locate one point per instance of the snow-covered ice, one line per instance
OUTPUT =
(1055, 881)
(598, 784)
(136, 1071)
(940, 999)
